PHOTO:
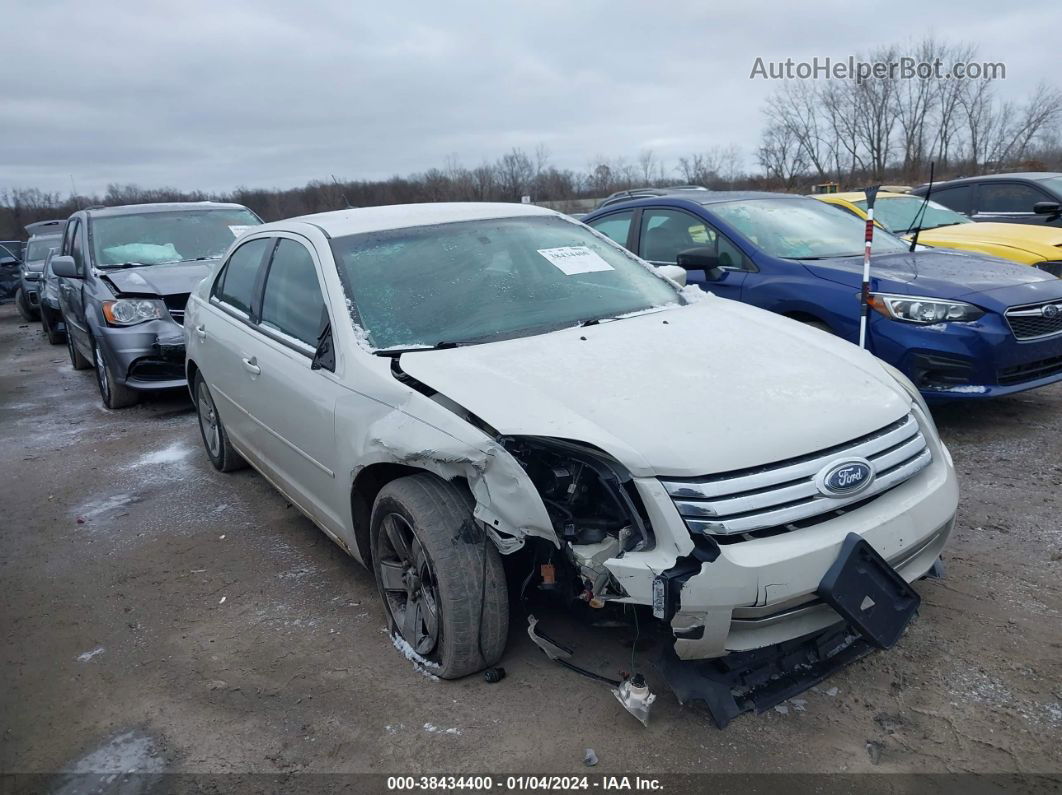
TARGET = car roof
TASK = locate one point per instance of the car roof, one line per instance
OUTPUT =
(159, 207)
(359, 220)
(1034, 176)
(706, 199)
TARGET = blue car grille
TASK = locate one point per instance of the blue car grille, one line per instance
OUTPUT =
(1034, 321)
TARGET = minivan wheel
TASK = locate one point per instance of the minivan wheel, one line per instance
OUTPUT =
(54, 337)
(441, 578)
(215, 439)
(77, 361)
(24, 308)
(115, 395)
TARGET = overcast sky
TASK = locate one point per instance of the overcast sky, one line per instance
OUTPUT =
(214, 95)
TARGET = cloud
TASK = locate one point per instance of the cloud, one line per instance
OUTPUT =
(273, 93)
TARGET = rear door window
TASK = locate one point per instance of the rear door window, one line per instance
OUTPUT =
(957, 198)
(617, 226)
(1008, 197)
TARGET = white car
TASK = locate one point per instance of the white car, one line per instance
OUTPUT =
(441, 386)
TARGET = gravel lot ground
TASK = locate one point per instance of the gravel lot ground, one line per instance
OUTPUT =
(160, 615)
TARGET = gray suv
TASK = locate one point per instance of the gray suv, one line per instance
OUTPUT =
(44, 235)
(124, 276)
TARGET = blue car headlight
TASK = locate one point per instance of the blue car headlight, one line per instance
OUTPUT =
(914, 309)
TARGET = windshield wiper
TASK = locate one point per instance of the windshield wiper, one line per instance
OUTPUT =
(121, 265)
(394, 353)
(197, 259)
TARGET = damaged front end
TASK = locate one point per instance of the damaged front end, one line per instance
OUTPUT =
(599, 516)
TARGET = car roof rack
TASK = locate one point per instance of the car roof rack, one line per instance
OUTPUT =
(647, 192)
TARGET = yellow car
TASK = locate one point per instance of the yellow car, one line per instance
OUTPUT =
(1040, 246)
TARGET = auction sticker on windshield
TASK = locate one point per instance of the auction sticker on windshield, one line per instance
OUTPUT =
(575, 259)
(238, 230)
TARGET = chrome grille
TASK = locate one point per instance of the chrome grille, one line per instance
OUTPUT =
(785, 493)
(1035, 320)
(177, 315)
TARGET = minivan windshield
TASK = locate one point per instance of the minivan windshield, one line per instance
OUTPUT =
(899, 213)
(472, 281)
(802, 228)
(153, 238)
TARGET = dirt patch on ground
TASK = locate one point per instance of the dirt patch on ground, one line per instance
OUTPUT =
(167, 616)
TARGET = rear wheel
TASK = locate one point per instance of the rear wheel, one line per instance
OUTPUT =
(115, 395)
(216, 440)
(54, 337)
(441, 578)
(77, 361)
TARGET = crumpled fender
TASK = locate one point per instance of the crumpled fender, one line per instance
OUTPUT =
(507, 502)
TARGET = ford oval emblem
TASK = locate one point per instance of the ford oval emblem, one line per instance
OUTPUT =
(844, 478)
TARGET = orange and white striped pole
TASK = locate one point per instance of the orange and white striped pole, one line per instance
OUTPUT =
(864, 295)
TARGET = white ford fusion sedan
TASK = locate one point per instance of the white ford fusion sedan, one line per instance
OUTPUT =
(462, 395)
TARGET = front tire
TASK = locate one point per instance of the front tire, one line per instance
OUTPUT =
(215, 438)
(114, 395)
(440, 577)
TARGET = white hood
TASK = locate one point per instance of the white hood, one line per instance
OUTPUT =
(695, 390)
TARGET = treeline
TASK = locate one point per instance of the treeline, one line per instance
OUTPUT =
(511, 177)
(852, 132)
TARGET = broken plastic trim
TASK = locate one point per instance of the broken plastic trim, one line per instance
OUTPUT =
(667, 586)
(758, 680)
(561, 654)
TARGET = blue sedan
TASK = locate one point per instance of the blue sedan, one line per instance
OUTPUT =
(959, 325)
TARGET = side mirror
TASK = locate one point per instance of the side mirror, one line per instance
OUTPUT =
(673, 272)
(64, 266)
(7, 262)
(1047, 208)
(695, 259)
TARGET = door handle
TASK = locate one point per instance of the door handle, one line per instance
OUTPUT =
(251, 366)
(200, 331)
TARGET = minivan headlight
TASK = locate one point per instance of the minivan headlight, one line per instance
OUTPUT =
(911, 309)
(130, 311)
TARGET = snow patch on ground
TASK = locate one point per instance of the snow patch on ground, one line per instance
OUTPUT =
(105, 505)
(420, 665)
(88, 655)
(173, 454)
(126, 753)
(431, 728)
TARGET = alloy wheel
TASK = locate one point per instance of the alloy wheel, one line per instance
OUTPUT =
(409, 584)
(208, 420)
